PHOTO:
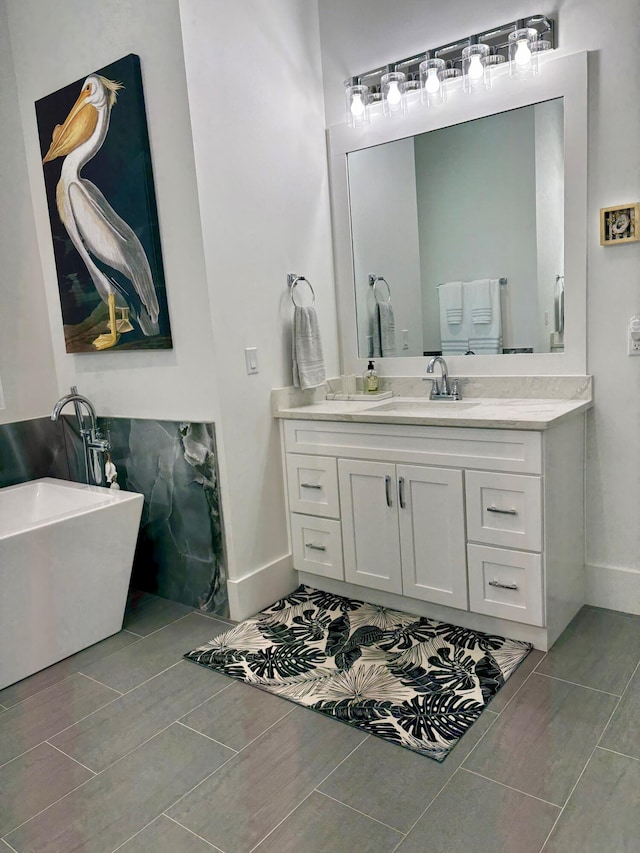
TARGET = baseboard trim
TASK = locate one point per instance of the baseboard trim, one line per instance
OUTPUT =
(258, 590)
(613, 588)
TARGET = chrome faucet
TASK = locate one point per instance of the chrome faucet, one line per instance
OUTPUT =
(93, 442)
(445, 391)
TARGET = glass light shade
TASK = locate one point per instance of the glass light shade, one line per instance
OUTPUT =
(394, 98)
(475, 68)
(432, 89)
(357, 105)
(523, 53)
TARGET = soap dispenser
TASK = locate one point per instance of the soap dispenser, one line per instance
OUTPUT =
(370, 379)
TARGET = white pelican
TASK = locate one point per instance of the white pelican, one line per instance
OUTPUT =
(94, 227)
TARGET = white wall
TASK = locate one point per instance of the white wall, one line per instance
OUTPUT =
(362, 34)
(54, 44)
(385, 239)
(259, 202)
(255, 95)
(26, 358)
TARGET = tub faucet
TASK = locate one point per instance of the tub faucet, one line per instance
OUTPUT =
(93, 442)
(446, 391)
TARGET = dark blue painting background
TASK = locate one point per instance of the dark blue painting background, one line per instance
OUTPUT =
(122, 171)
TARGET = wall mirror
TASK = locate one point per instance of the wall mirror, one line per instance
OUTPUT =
(489, 187)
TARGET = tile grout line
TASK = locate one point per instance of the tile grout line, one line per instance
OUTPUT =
(147, 825)
(101, 683)
(66, 755)
(177, 823)
(511, 788)
(615, 752)
(606, 726)
(202, 734)
(304, 799)
(357, 811)
(577, 684)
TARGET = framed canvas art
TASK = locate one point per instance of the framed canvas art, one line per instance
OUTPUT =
(102, 208)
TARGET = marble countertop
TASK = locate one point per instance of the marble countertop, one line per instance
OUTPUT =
(485, 412)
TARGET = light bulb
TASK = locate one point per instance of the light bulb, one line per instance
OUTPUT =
(357, 105)
(432, 84)
(393, 95)
(523, 53)
(476, 69)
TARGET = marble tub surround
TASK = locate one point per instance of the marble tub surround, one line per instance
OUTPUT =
(32, 449)
(180, 552)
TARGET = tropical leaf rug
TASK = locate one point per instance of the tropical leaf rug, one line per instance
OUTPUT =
(414, 681)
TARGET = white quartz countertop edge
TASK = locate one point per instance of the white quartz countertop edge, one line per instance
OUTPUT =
(488, 413)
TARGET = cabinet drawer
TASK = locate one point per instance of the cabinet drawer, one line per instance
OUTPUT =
(313, 485)
(317, 546)
(507, 584)
(504, 509)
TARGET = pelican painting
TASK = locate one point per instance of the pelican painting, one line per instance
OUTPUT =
(111, 285)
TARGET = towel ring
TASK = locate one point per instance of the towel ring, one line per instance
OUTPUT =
(373, 282)
(293, 280)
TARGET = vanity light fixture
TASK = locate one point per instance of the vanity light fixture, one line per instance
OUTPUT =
(476, 70)
(474, 58)
(357, 103)
(394, 98)
(432, 77)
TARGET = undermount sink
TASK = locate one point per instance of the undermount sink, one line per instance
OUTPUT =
(416, 407)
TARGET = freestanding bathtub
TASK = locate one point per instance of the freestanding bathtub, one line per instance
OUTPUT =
(66, 552)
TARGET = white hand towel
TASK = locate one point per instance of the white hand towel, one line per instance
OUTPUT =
(485, 337)
(385, 329)
(478, 298)
(308, 362)
(450, 296)
(454, 336)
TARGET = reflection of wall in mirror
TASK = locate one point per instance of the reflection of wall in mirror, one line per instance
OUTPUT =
(385, 239)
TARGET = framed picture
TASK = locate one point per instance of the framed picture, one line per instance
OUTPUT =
(102, 210)
(619, 224)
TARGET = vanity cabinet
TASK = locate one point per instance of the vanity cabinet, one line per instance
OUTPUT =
(403, 529)
(482, 521)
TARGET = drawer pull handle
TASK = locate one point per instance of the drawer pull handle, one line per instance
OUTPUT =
(315, 547)
(311, 485)
(401, 492)
(503, 585)
(502, 511)
(387, 488)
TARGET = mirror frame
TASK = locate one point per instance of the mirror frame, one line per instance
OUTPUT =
(560, 77)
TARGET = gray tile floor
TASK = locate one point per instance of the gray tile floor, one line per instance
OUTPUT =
(125, 746)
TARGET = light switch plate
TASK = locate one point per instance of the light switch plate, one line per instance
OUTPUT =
(251, 359)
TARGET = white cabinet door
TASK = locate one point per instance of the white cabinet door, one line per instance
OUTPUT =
(432, 534)
(370, 535)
